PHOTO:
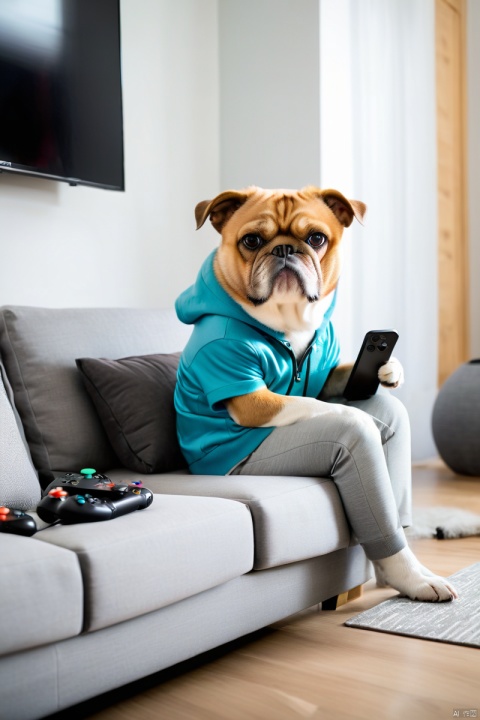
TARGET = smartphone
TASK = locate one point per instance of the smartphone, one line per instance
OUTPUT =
(376, 349)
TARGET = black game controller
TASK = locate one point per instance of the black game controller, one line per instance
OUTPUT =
(16, 522)
(90, 497)
(70, 509)
(97, 485)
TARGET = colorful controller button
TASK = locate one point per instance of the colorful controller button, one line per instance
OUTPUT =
(58, 493)
(138, 483)
(4, 510)
(109, 485)
(80, 499)
(88, 472)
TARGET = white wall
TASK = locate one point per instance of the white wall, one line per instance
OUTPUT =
(473, 152)
(78, 246)
(269, 80)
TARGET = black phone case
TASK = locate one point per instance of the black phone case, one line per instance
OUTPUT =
(376, 349)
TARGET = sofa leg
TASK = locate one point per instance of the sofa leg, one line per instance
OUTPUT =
(337, 601)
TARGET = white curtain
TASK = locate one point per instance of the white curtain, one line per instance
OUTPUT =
(378, 144)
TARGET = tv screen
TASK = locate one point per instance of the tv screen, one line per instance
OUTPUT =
(60, 90)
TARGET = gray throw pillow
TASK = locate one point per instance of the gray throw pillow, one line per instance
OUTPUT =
(133, 397)
(19, 486)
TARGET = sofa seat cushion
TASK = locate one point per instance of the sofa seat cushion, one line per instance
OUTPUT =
(41, 595)
(143, 561)
(294, 518)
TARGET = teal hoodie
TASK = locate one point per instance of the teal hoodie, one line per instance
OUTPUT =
(229, 353)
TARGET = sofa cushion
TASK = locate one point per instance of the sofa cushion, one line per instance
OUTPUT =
(39, 347)
(294, 518)
(134, 400)
(19, 486)
(41, 597)
(141, 562)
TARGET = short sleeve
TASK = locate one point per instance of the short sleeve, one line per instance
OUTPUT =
(229, 368)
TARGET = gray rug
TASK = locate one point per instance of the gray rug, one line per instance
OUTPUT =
(456, 622)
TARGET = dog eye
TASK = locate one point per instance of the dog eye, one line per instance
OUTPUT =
(252, 242)
(316, 240)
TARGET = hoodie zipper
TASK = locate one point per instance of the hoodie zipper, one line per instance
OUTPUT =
(297, 366)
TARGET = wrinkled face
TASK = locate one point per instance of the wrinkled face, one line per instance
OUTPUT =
(280, 245)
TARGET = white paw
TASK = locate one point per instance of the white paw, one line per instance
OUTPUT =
(404, 573)
(431, 588)
(391, 374)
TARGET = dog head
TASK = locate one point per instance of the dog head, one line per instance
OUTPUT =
(279, 246)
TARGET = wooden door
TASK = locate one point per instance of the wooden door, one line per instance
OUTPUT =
(453, 285)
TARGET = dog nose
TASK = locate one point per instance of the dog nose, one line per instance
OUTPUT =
(282, 250)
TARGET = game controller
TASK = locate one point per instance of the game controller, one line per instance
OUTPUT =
(16, 522)
(89, 496)
(97, 484)
(69, 509)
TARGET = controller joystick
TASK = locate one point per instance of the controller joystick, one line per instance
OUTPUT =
(88, 472)
(16, 522)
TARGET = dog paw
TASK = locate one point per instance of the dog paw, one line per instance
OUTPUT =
(404, 573)
(431, 588)
(391, 374)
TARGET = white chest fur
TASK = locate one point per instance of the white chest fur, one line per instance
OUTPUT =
(297, 320)
(299, 341)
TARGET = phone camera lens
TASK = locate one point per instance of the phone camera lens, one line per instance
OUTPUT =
(370, 348)
(375, 338)
(383, 345)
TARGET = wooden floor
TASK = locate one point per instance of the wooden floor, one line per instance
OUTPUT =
(311, 666)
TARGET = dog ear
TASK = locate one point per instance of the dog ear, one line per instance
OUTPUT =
(343, 209)
(220, 208)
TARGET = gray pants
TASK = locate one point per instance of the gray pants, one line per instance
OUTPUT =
(369, 463)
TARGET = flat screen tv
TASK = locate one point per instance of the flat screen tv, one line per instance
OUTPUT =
(61, 91)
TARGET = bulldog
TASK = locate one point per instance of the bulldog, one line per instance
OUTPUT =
(280, 259)
(264, 356)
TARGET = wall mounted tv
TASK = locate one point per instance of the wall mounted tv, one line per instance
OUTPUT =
(61, 92)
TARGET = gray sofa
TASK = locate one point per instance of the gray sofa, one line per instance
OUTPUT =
(89, 607)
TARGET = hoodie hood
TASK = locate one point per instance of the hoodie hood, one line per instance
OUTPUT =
(207, 297)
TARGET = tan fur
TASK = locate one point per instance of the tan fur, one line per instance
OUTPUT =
(257, 408)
